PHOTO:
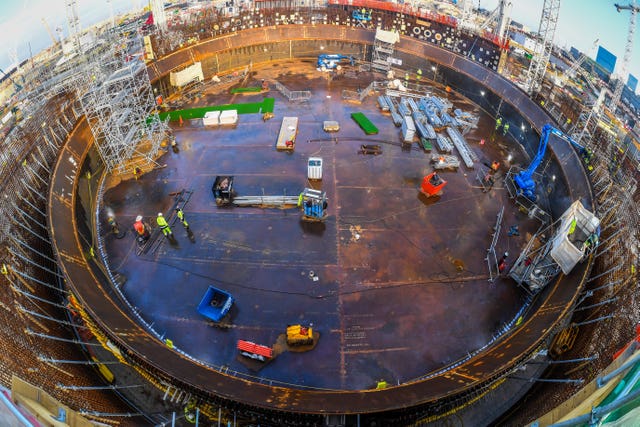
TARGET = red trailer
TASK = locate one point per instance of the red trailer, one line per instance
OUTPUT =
(255, 351)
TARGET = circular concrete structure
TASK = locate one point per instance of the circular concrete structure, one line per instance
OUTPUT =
(418, 390)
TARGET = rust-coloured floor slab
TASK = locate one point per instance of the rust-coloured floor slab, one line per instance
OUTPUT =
(403, 285)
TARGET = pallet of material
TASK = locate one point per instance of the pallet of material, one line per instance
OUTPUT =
(426, 145)
(412, 103)
(382, 102)
(366, 125)
(445, 161)
(397, 118)
(288, 132)
(424, 129)
(467, 154)
(408, 130)
(403, 108)
(330, 126)
(444, 143)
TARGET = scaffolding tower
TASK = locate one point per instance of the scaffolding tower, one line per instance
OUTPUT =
(383, 47)
(542, 52)
(120, 106)
(74, 26)
(159, 17)
(588, 121)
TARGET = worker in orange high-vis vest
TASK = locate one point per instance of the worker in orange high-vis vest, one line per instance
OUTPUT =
(141, 229)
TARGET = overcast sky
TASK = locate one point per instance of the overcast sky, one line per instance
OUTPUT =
(579, 24)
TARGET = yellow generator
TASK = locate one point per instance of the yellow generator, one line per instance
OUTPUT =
(299, 335)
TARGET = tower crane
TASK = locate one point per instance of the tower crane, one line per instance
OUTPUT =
(46, 27)
(617, 93)
(542, 52)
(74, 25)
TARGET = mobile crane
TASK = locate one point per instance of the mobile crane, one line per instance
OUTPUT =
(525, 184)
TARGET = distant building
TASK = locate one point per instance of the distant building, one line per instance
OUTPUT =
(596, 70)
(518, 37)
(632, 83)
(575, 53)
(606, 59)
(517, 25)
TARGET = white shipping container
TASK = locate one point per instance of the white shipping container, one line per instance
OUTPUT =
(211, 118)
(314, 168)
(408, 129)
(229, 117)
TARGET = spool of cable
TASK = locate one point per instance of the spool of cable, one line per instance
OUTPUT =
(417, 30)
(438, 36)
(427, 33)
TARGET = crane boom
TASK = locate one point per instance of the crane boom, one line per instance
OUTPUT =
(617, 93)
(571, 72)
(524, 180)
(46, 26)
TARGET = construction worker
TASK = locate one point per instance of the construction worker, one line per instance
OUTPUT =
(505, 128)
(419, 74)
(498, 122)
(502, 265)
(141, 230)
(435, 179)
(406, 77)
(164, 226)
(180, 214)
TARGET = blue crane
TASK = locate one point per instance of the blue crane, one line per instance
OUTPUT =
(524, 180)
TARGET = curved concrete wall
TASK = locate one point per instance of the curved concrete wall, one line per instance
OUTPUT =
(121, 327)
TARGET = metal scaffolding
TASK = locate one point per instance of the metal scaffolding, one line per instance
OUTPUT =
(159, 17)
(588, 121)
(120, 106)
(383, 48)
(547, 30)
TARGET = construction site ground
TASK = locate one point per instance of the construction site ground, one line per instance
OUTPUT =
(397, 285)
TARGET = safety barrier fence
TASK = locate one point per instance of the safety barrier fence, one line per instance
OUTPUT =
(292, 95)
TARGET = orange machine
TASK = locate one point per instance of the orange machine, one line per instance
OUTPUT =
(432, 185)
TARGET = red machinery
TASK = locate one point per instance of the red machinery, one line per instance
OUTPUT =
(432, 185)
(255, 351)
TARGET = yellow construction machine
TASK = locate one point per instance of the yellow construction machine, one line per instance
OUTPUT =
(299, 335)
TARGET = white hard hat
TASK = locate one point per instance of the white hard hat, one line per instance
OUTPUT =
(139, 218)
(159, 213)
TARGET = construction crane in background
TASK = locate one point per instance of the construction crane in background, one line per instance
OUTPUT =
(500, 17)
(74, 25)
(617, 93)
(46, 27)
(571, 72)
(159, 16)
(466, 17)
(542, 52)
(16, 86)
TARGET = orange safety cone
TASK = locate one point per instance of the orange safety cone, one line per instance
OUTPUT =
(181, 121)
